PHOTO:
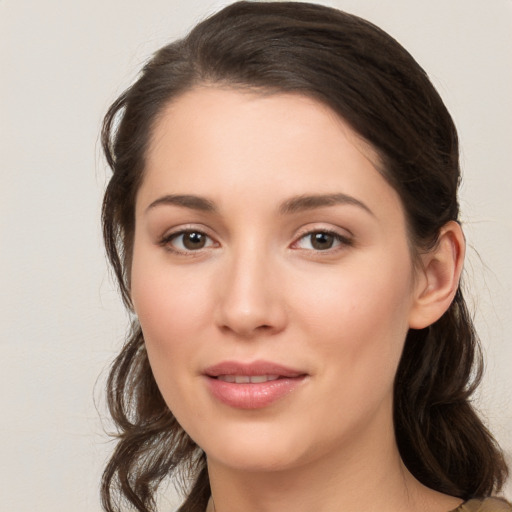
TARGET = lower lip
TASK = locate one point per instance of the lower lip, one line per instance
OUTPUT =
(252, 396)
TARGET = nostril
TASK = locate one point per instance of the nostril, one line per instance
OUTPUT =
(247, 331)
(247, 305)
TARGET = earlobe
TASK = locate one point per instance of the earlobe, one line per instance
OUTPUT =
(438, 278)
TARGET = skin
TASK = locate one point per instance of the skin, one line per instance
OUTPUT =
(259, 289)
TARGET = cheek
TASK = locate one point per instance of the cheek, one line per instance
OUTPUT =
(169, 302)
(358, 323)
(360, 318)
(359, 297)
(171, 313)
(172, 307)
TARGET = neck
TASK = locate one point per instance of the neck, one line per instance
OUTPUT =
(369, 476)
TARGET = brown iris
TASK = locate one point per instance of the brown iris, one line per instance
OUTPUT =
(193, 240)
(322, 241)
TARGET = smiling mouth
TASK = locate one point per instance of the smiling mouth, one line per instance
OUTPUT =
(254, 385)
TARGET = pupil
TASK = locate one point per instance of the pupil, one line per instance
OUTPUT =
(194, 240)
(322, 241)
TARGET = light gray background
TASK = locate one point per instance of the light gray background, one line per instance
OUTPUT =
(62, 63)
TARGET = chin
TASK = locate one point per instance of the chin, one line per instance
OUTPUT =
(255, 451)
(255, 460)
(260, 451)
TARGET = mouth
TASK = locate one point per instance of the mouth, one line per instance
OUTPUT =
(252, 385)
(253, 370)
(247, 379)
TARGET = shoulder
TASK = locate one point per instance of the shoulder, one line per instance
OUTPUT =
(485, 505)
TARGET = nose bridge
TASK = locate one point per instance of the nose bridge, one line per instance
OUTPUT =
(250, 301)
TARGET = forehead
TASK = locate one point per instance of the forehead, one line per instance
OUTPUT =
(220, 141)
(236, 107)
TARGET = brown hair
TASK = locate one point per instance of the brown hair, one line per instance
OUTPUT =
(373, 83)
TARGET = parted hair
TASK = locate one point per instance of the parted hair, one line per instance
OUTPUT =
(373, 83)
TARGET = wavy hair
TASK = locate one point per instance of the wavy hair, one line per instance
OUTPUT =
(374, 84)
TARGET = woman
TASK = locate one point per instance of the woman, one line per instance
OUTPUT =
(283, 220)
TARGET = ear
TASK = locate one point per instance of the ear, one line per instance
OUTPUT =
(438, 277)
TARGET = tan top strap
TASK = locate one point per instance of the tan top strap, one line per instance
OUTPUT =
(485, 505)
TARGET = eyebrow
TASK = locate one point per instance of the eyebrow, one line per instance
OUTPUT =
(311, 202)
(185, 200)
(290, 206)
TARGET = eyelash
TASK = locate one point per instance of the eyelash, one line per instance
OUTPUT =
(340, 240)
(167, 240)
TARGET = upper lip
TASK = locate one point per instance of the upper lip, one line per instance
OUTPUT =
(252, 369)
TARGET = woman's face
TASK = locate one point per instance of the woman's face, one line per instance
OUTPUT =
(272, 278)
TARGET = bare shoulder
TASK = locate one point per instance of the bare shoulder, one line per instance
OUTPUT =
(485, 505)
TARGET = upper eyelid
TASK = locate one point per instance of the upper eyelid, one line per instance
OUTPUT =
(320, 227)
(335, 234)
(186, 228)
(306, 230)
(345, 237)
(166, 242)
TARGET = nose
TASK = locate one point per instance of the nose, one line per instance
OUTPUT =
(251, 297)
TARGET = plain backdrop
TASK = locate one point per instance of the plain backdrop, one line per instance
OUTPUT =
(62, 64)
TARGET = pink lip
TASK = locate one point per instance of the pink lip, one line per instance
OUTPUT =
(252, 395)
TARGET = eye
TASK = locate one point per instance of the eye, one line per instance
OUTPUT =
(187, 241)
(321, 241)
